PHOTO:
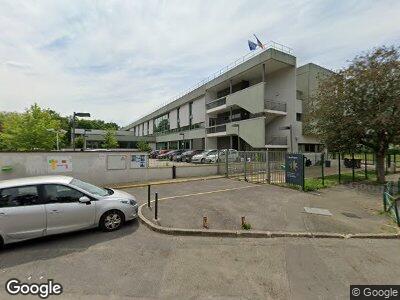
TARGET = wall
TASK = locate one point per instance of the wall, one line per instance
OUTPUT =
(198, 110)
(92, 167)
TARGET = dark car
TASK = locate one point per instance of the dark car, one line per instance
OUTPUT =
(154, 153)
(187, 156)
(173, 156)
(164, 154)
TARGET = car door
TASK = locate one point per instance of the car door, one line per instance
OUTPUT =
(64, 212)
(22, 214)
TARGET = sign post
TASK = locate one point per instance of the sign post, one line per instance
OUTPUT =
(294, 169)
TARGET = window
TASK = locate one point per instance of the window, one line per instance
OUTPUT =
(299, 117)
(178, 122)
(90, 188)
(190, 113)
(19, 196)
(55, 193)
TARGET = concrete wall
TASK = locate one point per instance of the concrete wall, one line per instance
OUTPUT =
(173, 119)
(251, 98)
(91, 167)
(250, 130)
(184, 115)
(198, 110)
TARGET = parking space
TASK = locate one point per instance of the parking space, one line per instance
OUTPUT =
(267, 207)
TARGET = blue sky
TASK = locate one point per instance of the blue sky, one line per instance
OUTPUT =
(120, 59)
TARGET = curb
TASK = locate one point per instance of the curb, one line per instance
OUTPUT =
(257, 234)
(169, 181)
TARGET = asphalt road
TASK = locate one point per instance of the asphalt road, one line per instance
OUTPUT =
(135, 262)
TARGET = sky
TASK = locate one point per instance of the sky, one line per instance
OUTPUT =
(119, 60)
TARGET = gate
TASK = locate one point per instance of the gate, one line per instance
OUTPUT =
(257, 166)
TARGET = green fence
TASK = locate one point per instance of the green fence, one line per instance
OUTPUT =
(391, 203)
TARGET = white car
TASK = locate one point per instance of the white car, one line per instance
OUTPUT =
(201, 157)
(45, 205)
(220, 156)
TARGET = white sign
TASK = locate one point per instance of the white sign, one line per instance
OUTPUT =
(59, 163)
(138, 161)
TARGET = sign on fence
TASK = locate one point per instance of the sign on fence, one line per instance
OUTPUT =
(294, 169)
(59, 164)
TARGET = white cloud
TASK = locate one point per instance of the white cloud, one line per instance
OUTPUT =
(118, 59)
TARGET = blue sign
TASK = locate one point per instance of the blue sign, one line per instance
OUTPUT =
(294, 168)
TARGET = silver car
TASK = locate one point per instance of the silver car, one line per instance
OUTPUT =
(201, 157)
(39, 206)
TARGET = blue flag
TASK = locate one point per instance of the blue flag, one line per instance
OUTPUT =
(252, 45)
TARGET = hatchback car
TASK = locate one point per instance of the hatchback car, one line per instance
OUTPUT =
(201, 157)
(220, 156)
(45, 205)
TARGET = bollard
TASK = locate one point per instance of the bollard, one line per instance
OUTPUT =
(156, 207)
(243, 221)
(205, 223)
(173, 172)
(148, 195)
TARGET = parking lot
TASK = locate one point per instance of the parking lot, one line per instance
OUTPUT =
(136, 262)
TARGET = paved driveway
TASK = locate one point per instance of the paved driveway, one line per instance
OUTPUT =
(354, 209)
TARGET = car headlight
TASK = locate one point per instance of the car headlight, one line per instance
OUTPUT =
(132, 202)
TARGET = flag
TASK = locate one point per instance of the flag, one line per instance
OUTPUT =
(259, 43)
(252, 45)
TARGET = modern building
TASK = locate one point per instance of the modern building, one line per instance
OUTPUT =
(256, 103)
(93, 138)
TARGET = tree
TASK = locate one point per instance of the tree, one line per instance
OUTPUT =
(79, 142)
(110, 141)
(359, 106)
(143, 146)
(29, 130)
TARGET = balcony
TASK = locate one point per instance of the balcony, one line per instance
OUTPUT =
(276, 142)
(271, 105)
(216, 105)
(218, 130)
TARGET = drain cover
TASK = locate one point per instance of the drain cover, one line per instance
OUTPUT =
(350, 215)
(317, 211)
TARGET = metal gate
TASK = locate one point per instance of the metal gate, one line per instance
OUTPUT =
(257, 166)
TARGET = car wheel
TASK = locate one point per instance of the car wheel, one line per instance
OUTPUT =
(111, 220)
(203, 160)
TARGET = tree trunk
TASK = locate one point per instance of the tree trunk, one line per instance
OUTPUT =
(380, 166)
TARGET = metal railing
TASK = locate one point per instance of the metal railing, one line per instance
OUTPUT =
(275, 105)
(215, 129)
(244, 58)
(180, 129)
(216, 103)
(277, 140)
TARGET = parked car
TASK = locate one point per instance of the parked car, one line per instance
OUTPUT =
(220, 156)
(201, 157)
(34, 207)
(154, 153)
(177, 153)
(165, 154)
(187, 156)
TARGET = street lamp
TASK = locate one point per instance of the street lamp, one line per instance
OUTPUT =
(183, 139)
(290, 127)
(76, 114)
(238, 127)
(57, 132)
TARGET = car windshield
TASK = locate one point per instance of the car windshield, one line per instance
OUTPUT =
(212, 152)
(90, 188)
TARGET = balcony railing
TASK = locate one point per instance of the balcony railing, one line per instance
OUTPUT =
(277, 140)
(274, 105)
(216, 103)
(216, 129)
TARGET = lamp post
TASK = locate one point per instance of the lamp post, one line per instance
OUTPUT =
(183, 139)
(57, 132)
(290, 127)
(76, 114)
(238, 127)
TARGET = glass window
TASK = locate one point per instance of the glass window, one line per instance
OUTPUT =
(55, 193)
(90, 188)
(19, 196)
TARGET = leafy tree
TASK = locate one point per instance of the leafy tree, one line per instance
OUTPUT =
(143, 146)
(359, 106)
(110, 141)
(29, 130)
(162, 126)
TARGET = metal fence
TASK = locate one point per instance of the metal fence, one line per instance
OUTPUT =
(256, 166)
(391, 204)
